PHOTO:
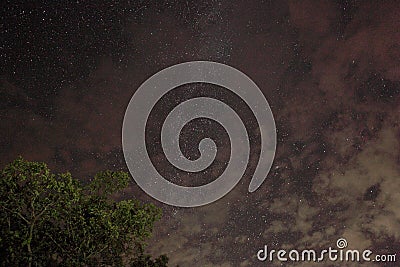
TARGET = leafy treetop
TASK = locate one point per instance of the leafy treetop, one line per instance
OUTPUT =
(48, 219)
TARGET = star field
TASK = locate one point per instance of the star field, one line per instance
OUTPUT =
(329, 69)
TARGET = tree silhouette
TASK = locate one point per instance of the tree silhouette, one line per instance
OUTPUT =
(54, 220)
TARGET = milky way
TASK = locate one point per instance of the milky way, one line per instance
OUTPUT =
(330, 71)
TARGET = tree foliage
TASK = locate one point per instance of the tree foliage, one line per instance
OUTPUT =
(48, 219)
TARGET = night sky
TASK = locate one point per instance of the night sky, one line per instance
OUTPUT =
(329, 69)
